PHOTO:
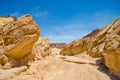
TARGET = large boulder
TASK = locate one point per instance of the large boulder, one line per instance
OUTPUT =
(112, 55)
(17, 38)
(112, 51)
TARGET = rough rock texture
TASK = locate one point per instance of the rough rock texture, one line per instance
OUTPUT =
(76, 47)
(17, 38)
(112, 51)
(55, 51)
(106, 43)
(4, 20)
(99, 42)
(41, 48)
(112, 55)
(79, 46)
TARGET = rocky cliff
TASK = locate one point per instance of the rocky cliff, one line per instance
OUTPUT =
(111, 52)
(81, 45)
(105, 43)
(99, 42)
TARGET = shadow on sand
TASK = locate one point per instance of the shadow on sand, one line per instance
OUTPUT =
(104, 69)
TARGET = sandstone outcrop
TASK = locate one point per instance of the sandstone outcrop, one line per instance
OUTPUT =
(41, 48)
(81, 45)
(4, 20)
(100, 40)
(106, 43)
(112, 49)
(17, 38)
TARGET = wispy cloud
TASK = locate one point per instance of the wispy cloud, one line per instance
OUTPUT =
(38, 13)
(16, 14)
(77, 27)
(65, 33)
(97, 19)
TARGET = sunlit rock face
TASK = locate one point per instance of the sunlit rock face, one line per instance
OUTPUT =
(5, 19)
(108, 46)
(81, 45)
(99, 42)
(112, 51)
(106, 43)
(17, 38)
(41, 48)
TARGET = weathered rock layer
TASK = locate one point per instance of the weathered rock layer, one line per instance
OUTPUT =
(106, 43)
(17, 38)
(81, 45)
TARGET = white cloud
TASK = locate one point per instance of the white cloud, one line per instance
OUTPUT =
(16, 14)
(65, 33)
(65, 38)
(38, 13)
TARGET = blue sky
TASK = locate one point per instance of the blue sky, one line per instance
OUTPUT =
(64, 20)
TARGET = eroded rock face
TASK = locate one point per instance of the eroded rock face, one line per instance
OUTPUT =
(17, 38)
(79, 46)
(99, 42)
(105, 44)
(75, 47)
(112, 51)
(41, 48)
(4, 20)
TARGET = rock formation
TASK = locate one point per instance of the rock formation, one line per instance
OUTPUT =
(105, 43)
(41, 48)
(112, 48)
(81, 45)
(37, 59)
(99, 42)
(4, 20)
(17, 37)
